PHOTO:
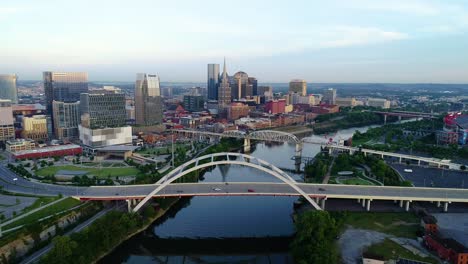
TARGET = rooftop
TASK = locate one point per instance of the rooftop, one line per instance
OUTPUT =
(118, 148)
(71, 173)
(48, 149)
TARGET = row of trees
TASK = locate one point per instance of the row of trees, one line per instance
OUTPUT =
(19, 170)
(104, 234)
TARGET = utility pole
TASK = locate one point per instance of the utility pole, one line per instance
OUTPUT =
(172, 149)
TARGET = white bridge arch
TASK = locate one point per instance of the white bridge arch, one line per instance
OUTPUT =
(215, 159)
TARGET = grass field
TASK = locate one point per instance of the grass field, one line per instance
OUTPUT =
(162, 150)
(48, 211)
(100, 173)
(40, 202)
(397, 224)
(391, 250)
(356, 181)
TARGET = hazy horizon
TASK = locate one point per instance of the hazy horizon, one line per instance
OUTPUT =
(355, 41)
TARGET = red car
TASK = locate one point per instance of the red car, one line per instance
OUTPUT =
(250, 190)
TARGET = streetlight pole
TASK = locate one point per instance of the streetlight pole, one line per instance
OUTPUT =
(172, 149)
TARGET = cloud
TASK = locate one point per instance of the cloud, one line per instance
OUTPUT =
(7, 10)
(350, 36)
(415, 7)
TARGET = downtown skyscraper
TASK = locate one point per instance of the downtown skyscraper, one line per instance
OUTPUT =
(224, 91)
(64, 87)
(148, 101)
(213, 81)
(8, 89)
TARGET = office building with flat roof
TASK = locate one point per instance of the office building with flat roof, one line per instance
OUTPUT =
(8, 89)
(213, 81)
(7, 129)
(66, 118)
(148, 101)
(298, 86)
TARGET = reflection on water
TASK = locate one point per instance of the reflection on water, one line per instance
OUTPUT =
(231, 221)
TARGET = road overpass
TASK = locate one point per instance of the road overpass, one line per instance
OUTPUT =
(406, 114)
(439, 163)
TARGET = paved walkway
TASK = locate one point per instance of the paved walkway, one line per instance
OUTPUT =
(38, 254)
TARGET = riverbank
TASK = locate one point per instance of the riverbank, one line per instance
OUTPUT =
(331, 123)
(160, 213)
(226, 145)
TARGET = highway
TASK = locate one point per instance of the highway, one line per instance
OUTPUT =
(22, 185)
(277, 189)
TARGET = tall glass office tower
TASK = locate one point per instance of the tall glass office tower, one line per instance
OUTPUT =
(8, 88)
(64, 87)
(148, 101)
(213, 81)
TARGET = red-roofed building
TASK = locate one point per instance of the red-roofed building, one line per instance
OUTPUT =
(447, 248)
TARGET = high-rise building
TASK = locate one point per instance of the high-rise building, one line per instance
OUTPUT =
(103, 120)
(35, 128)
(193, 103)
(213, 81)
(100, 110)
(265, 91)
(329, 97)
(66, 118)
(8, 89)
(240, 87)
(224, 91)
(64, 87)
(7, 129)
(298, 86)
(253, 81)
(148, 101)
(243, 86)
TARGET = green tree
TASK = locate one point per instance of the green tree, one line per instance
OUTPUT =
(315, 238)
(61, 252)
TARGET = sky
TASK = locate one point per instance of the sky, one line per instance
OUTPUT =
(397, 41)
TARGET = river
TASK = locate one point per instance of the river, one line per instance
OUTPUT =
(226, 229)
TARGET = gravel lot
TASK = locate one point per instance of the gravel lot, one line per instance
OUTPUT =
(354, 241)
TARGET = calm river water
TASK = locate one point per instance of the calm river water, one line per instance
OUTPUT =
(225, 229)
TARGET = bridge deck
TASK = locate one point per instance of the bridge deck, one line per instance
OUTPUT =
(278, 189)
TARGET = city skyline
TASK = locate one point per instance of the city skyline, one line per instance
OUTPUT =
(361, 40)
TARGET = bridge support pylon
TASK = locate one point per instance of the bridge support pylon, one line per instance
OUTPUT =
(368, 205)
(322, 203)
(446, 206)
(298, 156)
(246, 145)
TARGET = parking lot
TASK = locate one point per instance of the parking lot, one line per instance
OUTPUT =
(433, 177)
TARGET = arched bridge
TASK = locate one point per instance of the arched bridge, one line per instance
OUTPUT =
(262, 135)
(222, 159)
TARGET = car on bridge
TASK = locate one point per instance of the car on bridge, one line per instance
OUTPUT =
(250, 190)
(216, 189)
